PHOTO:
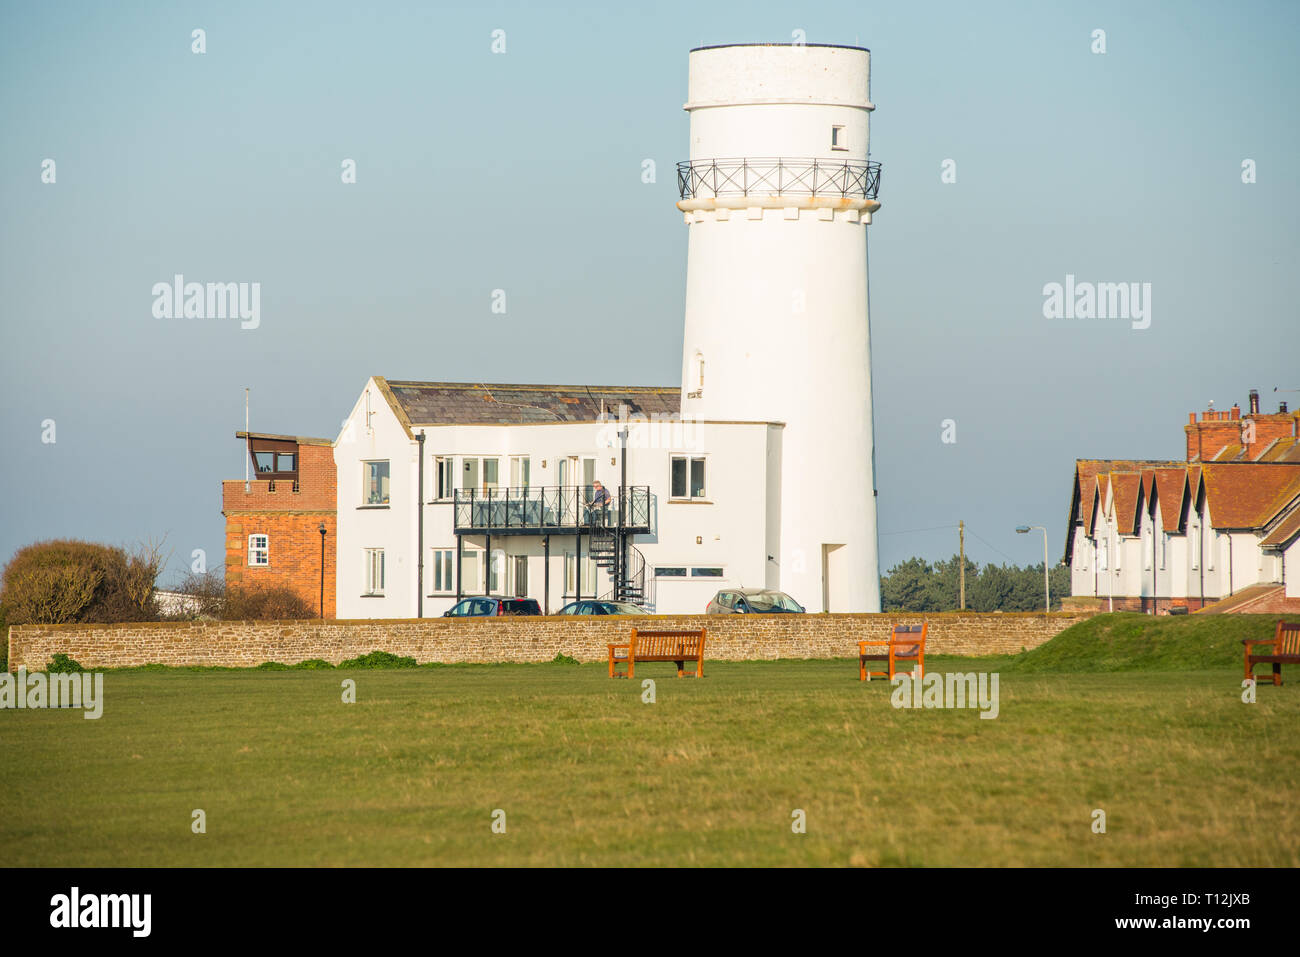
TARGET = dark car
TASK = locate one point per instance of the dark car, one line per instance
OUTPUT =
(590, 607)
(752, 601)
(485, 607)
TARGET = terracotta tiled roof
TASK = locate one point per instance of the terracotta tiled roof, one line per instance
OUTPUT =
(1171, 483)
(1127, 489)
(1286, 531)
(1094, 473)
(1248, 494)
(1228, 453)
(1283, 450)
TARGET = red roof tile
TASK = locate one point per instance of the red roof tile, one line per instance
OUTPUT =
(1249, 494)
(1288, 530)
(1127, 485)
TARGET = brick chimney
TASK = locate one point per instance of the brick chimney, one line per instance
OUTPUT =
(1259, 430)
(1214, 432)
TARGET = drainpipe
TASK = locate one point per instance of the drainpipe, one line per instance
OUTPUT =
(419, 533)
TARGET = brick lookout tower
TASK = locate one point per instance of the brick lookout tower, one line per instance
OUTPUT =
(776, 193)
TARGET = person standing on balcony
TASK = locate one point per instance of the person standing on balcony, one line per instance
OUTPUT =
(600, 499)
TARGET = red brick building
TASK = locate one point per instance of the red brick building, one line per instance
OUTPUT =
(274, 521)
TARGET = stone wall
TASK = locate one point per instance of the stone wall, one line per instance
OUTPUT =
(730, 638)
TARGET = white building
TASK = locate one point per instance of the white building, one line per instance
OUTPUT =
(505, 506)
(724, 481)
(1222, 528)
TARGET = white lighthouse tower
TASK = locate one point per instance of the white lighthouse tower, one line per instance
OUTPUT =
(777, 193)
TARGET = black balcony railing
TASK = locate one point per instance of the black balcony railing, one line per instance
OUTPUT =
(552, 508)
(777, 176)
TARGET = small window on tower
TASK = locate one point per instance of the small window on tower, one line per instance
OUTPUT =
(837, 138)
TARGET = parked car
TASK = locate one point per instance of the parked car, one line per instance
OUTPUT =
(487, 607)
(590, 607)
(752, 601)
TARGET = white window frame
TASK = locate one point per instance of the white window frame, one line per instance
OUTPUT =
(374, 562)
(497, 573)
(365, 482)
(471, 574)
(256, 549)
(690, 461)
(444, 477)
(589, 568)
(521, 469)
(444, 571)
(836, 144)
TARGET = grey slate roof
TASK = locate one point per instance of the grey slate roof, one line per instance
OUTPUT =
(469, 403)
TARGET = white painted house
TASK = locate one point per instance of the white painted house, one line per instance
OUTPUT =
(448, 490)
(1222, 528)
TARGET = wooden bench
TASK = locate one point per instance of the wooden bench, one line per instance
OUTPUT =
(906, 643)
(678, 647)
(1285, 650)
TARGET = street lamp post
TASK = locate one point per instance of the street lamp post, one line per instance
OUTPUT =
(1047, 581)
(321, 529)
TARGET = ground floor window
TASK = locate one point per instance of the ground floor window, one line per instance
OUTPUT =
(259, 550)
(470, 583)
(570, 575)
(496, 571)
(374, 571)
(444, 568)
(706, 572)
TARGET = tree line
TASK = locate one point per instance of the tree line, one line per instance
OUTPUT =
(919, 585)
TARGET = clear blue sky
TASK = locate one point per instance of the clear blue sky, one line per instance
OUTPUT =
(522, 172)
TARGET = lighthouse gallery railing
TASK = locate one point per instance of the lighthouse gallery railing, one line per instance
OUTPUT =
(777, 176)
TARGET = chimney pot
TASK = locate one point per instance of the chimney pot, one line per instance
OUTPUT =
(1281, 408)
(1254, 402)
(1191, 418)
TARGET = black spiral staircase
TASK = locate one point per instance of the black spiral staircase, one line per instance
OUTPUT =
(629, 581)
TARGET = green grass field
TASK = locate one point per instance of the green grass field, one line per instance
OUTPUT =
(587, 774)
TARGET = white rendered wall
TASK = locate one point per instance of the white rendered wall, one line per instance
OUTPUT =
(729, 528)
(776, 303)
(1291, 568)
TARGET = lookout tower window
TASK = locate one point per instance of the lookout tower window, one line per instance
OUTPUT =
(837, 138)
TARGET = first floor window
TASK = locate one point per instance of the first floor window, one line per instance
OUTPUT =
(670, 571)
(687, 477)
(376, 483)
(443, 477)
(706, 572)
(1195, 546)
(374, 571)
(520, 471)
(259, 550)
(444, 568)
